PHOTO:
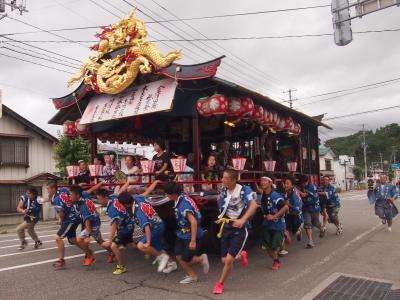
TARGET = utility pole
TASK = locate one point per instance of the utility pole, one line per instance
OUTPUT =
(365, 154)
(381, 156)
(290, 97)
(13, 5)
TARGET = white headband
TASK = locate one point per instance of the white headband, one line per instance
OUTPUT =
(267, 178)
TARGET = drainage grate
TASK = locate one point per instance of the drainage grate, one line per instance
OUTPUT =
(393, 295)
(350, 288)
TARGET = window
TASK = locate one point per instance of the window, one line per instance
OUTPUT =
(9, 197)
(14, 151)
(328, 165)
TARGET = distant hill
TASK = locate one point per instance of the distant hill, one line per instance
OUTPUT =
(385, 140)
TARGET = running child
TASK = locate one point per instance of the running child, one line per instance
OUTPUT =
(189, 233)
(236, 205)
(332, 203)
(90, 223)
(273, 207)
(30, 205)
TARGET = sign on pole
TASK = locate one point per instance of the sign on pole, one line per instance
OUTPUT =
(341, 23)
(370, 6)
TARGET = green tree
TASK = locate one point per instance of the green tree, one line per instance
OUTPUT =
(69, 150)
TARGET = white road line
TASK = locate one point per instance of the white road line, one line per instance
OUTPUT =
(331, 255)
(38, 232)
(40, 236)
(37, 250)
(43, 242)
(45, 262)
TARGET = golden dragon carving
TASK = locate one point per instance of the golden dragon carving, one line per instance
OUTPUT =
(113, 75)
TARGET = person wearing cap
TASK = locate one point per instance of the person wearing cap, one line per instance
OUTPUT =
(311, 209)
(84, 174)
(273, 208)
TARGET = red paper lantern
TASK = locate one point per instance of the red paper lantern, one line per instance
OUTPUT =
(203, 106)
(296, 129)
(234, 107)
(280, 123)
(246, 107)
(81, 129)
(69, 128)
(218, 104)
(289, 124)
(258, 113)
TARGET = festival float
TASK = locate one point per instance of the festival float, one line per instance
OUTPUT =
(129, 92)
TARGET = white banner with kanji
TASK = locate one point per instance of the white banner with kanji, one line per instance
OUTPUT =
(139, 100)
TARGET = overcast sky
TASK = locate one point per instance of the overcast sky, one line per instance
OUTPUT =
(311, 65)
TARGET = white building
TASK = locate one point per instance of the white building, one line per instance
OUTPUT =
(326, 161)
(344, 176)
(26, 159)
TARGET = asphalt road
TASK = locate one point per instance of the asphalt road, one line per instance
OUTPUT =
(361, 250)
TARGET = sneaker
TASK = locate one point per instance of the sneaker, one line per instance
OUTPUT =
(276, 265)
(244, 261)
(88, 261)
(110, 258)
(162, 262)
(389, 229)
(120, 269)
(188, 280)
(23, 245)
(218, 288)
(205, 264)
(38, 244)
(283, 252)
(339, 231)
(310, 245)
(322, 232)
(59, 264)
(156, 260)
(171, 266)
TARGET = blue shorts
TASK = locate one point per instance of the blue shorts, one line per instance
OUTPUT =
(385, 210)
(233, 240)
(157, 237)
(67, 230)
(182, 249)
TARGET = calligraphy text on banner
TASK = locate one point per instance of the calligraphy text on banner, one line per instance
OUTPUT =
(139, 100)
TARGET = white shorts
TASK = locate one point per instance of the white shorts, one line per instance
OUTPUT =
(94, 233)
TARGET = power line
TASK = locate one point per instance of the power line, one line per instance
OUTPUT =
(223, 48)
(350, 89)
(280, 36)
(363, 112)
(248, 13)
(35, 47)
(44, 30)
(351, 93)
(178, 34)
(104, 8)
(39, 53)
(231, 66)
(38, 57)
(35, 63)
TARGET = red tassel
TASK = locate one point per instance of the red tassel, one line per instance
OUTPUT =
(138, 123)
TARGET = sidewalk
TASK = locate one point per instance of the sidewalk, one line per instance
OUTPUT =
(373, 261)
